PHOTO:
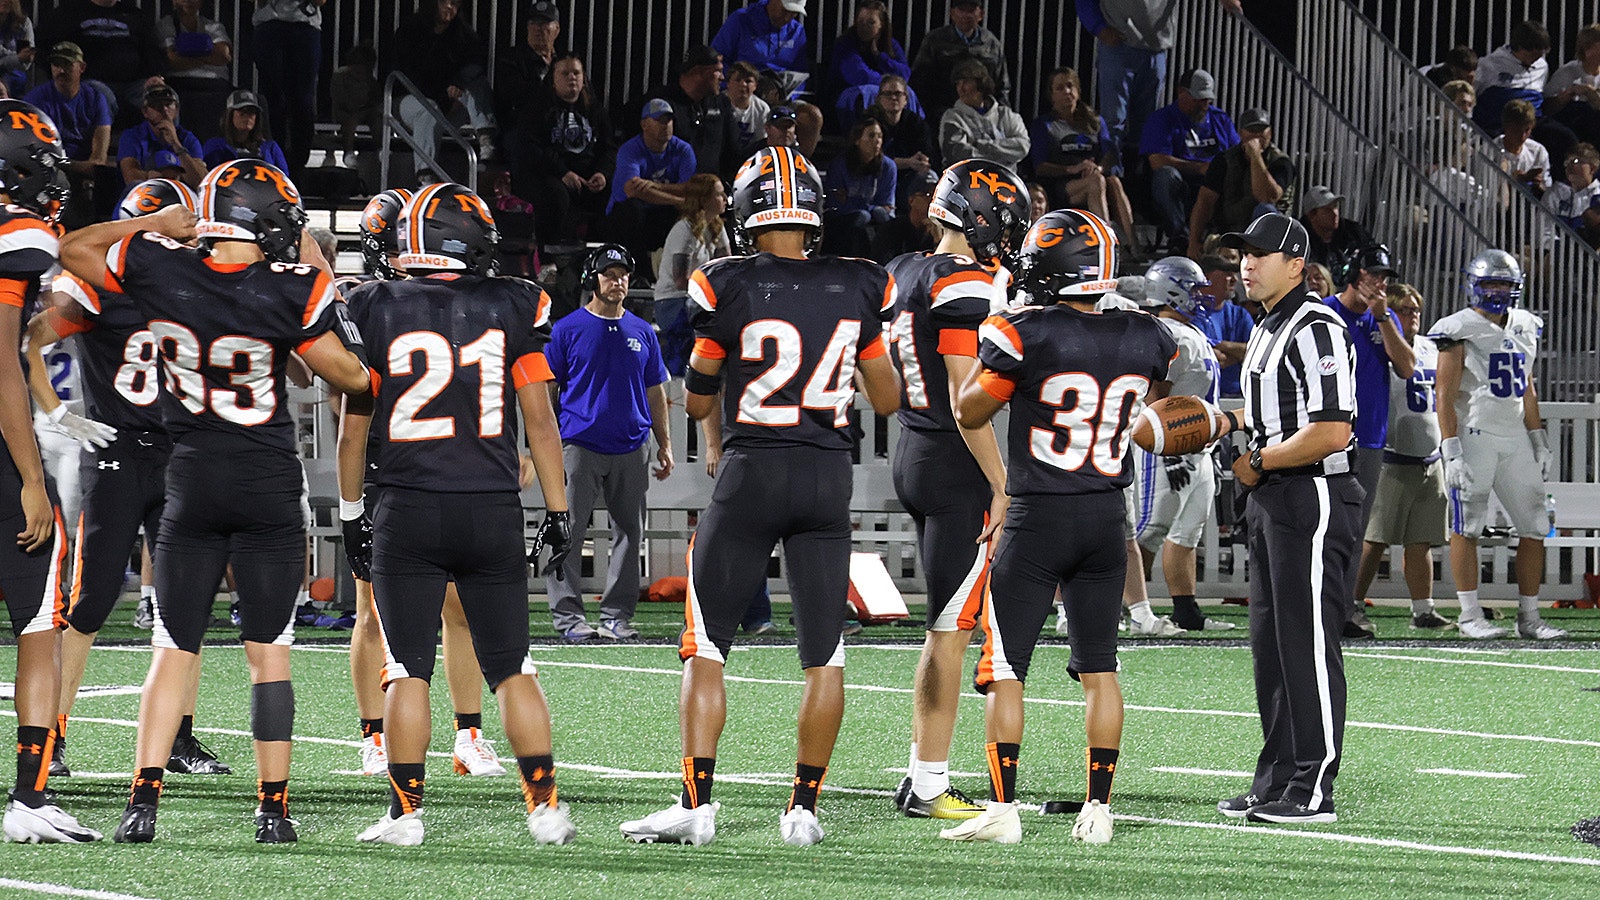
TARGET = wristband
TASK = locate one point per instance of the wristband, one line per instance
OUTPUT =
(57, 414)
(1450, 448)
(1233, 420)
(350, 510)
(698, 382)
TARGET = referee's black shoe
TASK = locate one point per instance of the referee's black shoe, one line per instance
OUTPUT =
(1287, 812)
(1238, 807)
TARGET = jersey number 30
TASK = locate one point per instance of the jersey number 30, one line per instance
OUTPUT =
(1095, 426)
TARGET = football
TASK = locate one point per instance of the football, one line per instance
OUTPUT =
(1173, 426)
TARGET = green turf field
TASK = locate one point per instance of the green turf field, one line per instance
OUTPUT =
(1465, 766)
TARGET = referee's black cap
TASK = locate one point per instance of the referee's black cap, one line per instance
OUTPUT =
(1273, 233)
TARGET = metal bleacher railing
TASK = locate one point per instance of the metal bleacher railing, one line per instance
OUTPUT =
(1443, 193)
(1425, 29)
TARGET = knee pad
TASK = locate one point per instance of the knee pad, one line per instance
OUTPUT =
(272, 711)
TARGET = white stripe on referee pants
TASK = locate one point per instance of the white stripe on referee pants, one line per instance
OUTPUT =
(1319, 636)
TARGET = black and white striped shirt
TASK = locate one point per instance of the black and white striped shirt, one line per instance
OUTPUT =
(1299, 368)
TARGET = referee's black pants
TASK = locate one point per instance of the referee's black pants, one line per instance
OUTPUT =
(1304, 531)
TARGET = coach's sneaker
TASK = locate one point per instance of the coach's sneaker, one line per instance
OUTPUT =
(144, 618)
(1238, 807)
(952, 804)
(618, 630)
(1537, 629)
(272, 828)
(1094, 823)
(474, 754)
(1156, 626)
(46, 824)
(1287, 812)
(374, 758)
(1429, 619)
(800, 828)
(551, 825)
(677, 824)
(58, 760)
(191, 757)
(1479, 629)
(579, 633)
(998, 822)
(405, 831)
(138, 825)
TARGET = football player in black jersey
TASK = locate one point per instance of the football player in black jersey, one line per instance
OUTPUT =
(124, 483)
(33, 188)
(455, 353)
(226, 317)
(950, 479)
(1073, 378)
(782, 337)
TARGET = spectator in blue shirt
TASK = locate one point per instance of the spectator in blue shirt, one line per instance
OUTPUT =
(159, 147)
(1229, 325)
(608, 367)
(245, 134)
(866, 52)
(860, 184)
(83, 115)
(653, 170)
(1180, 140)
(769, 35)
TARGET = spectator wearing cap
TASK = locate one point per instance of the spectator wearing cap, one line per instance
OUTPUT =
(17, 43)
(83, 117)
(906, 137)
(199, 54)
(159, 147)
(1180, 140)
(749, 111)
(119, 42)
(1333, 237)
(1526, 158)
(866, 52)
(607, 367)
(1249, 179)
(566, 155)
(779, 131)
(1229, 325)
(702, 114)
(1515, 71)
(770, 35)
(979, 125)
(946, 47)
(287, 40)
(1381, 348)
(860, 186)
(653, 168)
(1073, 157)
(245, 134)
(444, 57)
(522, 76)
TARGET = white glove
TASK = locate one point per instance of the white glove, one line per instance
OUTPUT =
(1456, 474)
(1540, 440)
(87, 432)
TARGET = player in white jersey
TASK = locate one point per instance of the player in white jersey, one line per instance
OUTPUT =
(55, 370)
(1493, 437)
(1410, 506)
(1176, 493)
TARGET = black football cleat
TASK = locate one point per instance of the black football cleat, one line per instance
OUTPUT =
(138, 825)
(58, 760)
(272, 828)
(902, 793)
(191, 757)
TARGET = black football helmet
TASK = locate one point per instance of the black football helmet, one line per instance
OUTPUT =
(448, 227)
(252, 200)
(32, 161)
(776, 186)
(1366, 258)
(987, 202)
(154, 195)
(1068, 253)
(379, 236)
(601, 258)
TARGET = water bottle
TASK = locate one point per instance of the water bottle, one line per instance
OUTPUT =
(1550, 512)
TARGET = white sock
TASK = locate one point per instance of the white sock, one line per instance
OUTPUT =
(1141, 612)
(911, 765)
(930, 779)
(147, 592)
(1418, 607)
(1528, 607)
(1470, 607)
(233, 598)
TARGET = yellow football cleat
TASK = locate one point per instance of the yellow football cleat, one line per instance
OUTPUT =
(952, 804)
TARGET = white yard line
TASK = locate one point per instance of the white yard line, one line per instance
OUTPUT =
(63, 890)
(1472, 662)
(1182, 770)
(1468, 773)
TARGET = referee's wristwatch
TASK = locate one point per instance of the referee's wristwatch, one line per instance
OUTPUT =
(1255, 461)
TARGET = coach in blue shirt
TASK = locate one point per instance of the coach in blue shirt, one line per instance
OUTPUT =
(1180, 140)
(607, 365)
(1380, 346)
(769, 35)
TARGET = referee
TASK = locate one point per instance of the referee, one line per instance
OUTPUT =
(1298, 379)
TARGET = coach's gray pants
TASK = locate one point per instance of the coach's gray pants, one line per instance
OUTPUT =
(621, 480)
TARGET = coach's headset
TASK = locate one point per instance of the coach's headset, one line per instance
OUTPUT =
(600, 259)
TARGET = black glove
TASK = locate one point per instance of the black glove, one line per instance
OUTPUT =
(554, 532)
(358, 545)
(1179, 470)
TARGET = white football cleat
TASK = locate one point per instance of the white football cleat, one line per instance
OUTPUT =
(1479, 629)
(1094, 823)
(676, 824)
(1156, 626)
(800, 827)
(1538, 629)
(47, 824)
(551, 825)
(474, 754)
(405, 831)
(998, 822)
(374, 758)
